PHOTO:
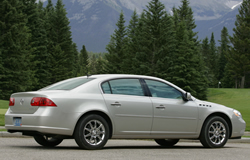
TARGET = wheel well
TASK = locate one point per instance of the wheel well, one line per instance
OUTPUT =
(225, 117)
(105, 116)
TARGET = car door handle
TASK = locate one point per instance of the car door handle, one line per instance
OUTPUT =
(160, 107)
(116, 104)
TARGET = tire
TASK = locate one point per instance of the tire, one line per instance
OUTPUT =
(166, 142)
(47, 141)
(215, 133)
(92, 132)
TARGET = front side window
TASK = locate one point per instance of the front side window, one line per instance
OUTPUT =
(162, 90)
(123, 86)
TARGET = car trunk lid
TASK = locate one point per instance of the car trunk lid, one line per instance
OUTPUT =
(22, 104)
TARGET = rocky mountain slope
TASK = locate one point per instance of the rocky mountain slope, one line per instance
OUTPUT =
(93, 21)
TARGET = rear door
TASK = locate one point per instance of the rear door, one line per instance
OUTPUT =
(130, 109)
(172, 115)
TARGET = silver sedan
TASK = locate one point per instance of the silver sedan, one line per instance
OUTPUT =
(93, 109)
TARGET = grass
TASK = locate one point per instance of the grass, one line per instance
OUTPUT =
(238, 99)
(3, 111)
(4, 104)
(1, 119)
(3, 108)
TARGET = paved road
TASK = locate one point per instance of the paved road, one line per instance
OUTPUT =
(26, 148)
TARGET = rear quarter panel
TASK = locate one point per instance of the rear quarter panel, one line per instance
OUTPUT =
(74, 105)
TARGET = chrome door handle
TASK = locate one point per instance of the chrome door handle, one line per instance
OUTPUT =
(116, 104)
(160, 107)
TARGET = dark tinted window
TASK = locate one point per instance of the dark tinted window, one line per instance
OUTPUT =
(124, 86)
(68, 84)
(106, 88)
(163, 90)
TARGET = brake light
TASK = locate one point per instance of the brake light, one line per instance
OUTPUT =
(12, 102)
(42, 101)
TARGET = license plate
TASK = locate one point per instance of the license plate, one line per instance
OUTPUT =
(17, 121)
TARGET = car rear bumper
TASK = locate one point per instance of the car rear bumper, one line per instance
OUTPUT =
(39, 129)
(46, 120)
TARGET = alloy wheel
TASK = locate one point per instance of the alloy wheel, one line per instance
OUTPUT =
(94, 132)
(217, 133)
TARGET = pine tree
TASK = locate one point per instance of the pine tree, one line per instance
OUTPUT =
(212, 52)
(185, 13)
(96, 63)
(224, 50)
(76, 61)
(59, 39)
(14, 43)
(212, 62)
(83, 62)
(63, 37)
(129, 60)
(101, 62)
(154, 27)
(214, 57)
(239, 57)
(92, 63)
(58, 61)
(183, 73)
(155, 41)
(41, 53)
(133, 24)
(117, 47)
(230, 79)
(136, 43)
(38, 41)
(49, 18)
(191, 67)
(49, 14)
(205, 52)
(168, 48)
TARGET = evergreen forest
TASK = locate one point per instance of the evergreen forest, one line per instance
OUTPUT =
(36, 48)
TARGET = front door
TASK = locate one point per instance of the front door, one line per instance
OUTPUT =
(172, 115)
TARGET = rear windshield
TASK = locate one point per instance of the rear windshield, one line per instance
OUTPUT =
(68, 84)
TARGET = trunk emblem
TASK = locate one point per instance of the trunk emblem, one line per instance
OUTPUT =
(21, 101)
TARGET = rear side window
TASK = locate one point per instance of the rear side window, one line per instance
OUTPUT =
(163, 90)
(68, 84)
(124, 87)
(106, 88)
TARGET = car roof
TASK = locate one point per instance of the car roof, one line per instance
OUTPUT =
(119, 76)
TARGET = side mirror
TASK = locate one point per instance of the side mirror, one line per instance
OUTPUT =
(187, 96)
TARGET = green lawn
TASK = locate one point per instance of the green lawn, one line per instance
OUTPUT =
(3, 108)
(4, 104)
(1, 119)
(235, 98)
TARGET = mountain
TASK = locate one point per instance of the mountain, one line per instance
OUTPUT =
(93, 21)
(206, 27)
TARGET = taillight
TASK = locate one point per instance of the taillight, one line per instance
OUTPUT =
(42, 101)
(12, 102)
